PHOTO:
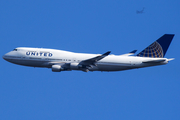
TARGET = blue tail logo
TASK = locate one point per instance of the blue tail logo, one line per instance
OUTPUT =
(158, 48)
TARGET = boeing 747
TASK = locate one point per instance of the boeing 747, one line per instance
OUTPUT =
(60, 60)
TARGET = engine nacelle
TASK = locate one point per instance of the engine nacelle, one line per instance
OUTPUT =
(74, 66)
(56, 68)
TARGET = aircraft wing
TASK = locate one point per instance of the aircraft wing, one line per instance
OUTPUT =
(92, 61)
(83, 65)
(130, 53)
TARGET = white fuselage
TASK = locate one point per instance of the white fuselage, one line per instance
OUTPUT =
(40, 57)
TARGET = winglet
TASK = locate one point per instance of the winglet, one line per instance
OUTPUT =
(130, 53)
(134, 51)
(107, 53)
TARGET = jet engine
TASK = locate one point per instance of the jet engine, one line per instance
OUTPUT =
(56, 68)
(74, 66)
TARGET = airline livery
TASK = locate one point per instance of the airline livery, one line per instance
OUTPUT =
(59, 60)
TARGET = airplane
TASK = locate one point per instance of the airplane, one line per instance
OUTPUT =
(140, 11)
(60, 60)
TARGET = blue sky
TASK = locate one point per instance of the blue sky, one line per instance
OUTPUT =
(89, 26)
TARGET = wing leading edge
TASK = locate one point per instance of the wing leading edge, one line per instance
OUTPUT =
(86, 64)
(92, 61)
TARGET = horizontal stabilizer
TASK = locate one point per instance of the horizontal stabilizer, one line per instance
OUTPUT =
(155, 61)
(171, 59)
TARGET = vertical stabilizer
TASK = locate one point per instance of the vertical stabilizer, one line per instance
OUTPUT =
(158, 48)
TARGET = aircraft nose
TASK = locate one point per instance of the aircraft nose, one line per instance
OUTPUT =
(4, 57)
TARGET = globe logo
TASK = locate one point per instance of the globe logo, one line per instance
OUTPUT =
(154, 50)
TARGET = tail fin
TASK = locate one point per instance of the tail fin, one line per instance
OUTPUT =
(158, 48)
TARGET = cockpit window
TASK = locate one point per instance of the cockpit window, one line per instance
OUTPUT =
(15, 50)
